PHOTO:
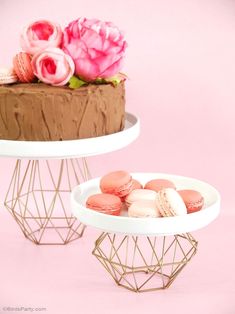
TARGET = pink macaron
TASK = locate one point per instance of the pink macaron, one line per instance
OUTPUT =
(119, 183)
(170, 203)
(7, 76)
(193, 200)
(159, 184)
(136, 185)
(105, 203)
(23, 67)
(143, 209)
(140, 195)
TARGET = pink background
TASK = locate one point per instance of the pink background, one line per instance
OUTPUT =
(180, 62)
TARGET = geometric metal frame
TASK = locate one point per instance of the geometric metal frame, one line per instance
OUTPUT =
(143, 263)
(38, 199)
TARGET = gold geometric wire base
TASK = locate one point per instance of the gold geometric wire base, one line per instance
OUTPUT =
(38, 199)
(142, 263)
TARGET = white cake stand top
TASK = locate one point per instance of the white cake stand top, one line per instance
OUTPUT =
(74, 148)
(148, 226)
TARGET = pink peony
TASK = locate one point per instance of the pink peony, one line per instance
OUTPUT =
(97, 48)
(39, 36)
(53, 66)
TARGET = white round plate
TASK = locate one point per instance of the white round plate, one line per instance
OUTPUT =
(147, 226)
(74, 148)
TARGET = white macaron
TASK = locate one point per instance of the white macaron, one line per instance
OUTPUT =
(170, 203)
(7, 76)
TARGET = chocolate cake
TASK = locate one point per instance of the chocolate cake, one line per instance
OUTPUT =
(41, 112)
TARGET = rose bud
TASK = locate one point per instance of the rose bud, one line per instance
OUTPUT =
(53, 66)
(39, 36)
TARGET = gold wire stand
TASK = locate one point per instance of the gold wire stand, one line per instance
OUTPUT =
(144, 263)
(38, 199)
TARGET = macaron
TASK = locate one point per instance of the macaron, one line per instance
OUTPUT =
(143, 209)
(118, 183)
(170, 203)
(140, 194)
(105, 203)
(159, 184)
(136, 185)
(23, 67)
(193, 200)
(7, 76)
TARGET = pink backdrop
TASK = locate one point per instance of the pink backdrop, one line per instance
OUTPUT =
(180, 62)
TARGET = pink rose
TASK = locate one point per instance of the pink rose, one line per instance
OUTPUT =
(39, 36)
(97, 48)
(53, 66)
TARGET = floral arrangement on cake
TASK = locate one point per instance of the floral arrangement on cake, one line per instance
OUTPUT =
(86, 51)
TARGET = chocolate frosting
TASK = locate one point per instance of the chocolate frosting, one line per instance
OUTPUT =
(39, 112)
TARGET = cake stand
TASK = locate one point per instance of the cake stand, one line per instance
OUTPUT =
(44, 175)
(145, 254)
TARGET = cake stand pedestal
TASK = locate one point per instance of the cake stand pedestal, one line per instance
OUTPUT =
(146, 254)
(44, 175)
(141, 263)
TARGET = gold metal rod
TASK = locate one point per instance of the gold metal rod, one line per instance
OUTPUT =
(167, 266)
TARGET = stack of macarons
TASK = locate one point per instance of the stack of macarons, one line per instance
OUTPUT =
(157, 198)
(115, 186)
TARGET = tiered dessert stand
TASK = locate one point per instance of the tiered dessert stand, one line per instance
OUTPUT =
(145, 254)
(44, 175)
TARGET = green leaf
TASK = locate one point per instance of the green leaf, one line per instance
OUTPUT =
(113, 80)
(75, 82)
(117, 79)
